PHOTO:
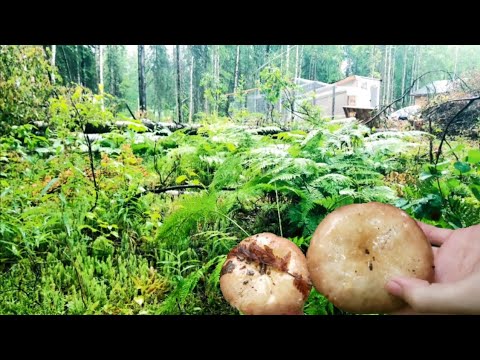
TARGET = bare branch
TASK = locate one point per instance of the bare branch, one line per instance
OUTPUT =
(407, 91)
(444, 135)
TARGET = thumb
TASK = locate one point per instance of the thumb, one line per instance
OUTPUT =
(424, 297)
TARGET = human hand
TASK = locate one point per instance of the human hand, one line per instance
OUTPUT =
(456, 286)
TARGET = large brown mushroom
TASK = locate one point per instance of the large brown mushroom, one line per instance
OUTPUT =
(357, 248)
(266, 274)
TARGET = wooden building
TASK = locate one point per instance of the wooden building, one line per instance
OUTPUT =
(424, 94)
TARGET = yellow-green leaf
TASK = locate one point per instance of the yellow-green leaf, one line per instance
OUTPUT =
(181, 179)
(231, 147)
(474, 156)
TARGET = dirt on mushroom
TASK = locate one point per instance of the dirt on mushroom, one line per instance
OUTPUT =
(273, 279)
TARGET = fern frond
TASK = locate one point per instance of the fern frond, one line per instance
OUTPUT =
(284, 177)
(333, 202)
(228, 173)
(332, 183)
(464, 212)
(214, 278)
(382, 194)
(189, 212)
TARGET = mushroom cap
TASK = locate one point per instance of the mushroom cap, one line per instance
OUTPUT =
(358, 248)
(266, 274)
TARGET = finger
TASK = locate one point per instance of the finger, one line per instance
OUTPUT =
(436, 236)
(427, 298)
(435, 251)
(410, 311)
(404, 311)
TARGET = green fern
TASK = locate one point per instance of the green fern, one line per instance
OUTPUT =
(382, 194)
(175, 301)
(228, 174)
(333, 202)
(331, 184)
(463, 212)
(190, 211)
(214, 278)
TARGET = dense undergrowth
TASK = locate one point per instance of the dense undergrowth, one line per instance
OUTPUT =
(131, 246)
(141, 252)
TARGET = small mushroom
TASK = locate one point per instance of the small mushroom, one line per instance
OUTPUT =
(340, 265)
(273, 281)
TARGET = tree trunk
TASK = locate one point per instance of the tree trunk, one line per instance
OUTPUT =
(237, 61)
(387, 73)
(52, 62)
(216, 76)
(97, 65)
(83, 66)
(281, 59)
(179, 103)
(412, 72)
(384, 75)
(110, 68)
(217, 65)
(79, 80)
(300, 65)
(190, 110)
(287, 70)
(310, 67)
(392, 73)
(142, 85)
(373, 61)
(296, 61)
(100, 71)
(417, 71)
(404, 76)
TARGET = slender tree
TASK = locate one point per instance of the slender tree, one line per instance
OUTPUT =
(392, 73)
(83, 65)
(287, 61)
(52, 61)
(404, 75)
(297, 52)
(142, 86)
(78, 56)
(373, 61)
(237, 62)
(190, 112)
(100, 72)
(179, 103)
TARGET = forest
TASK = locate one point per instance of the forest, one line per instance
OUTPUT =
(128, 173)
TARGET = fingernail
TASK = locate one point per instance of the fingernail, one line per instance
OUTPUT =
(394, 288)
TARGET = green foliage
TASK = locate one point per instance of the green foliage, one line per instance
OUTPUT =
(447, 193)
(214, 92)
(192, 212)
(151, 247)
(76, 107)
(24, 85)
(317, 304)
(161, 79)
(272, 83)
(76, 64)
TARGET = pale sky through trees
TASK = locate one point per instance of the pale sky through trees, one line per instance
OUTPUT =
(132, 49)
